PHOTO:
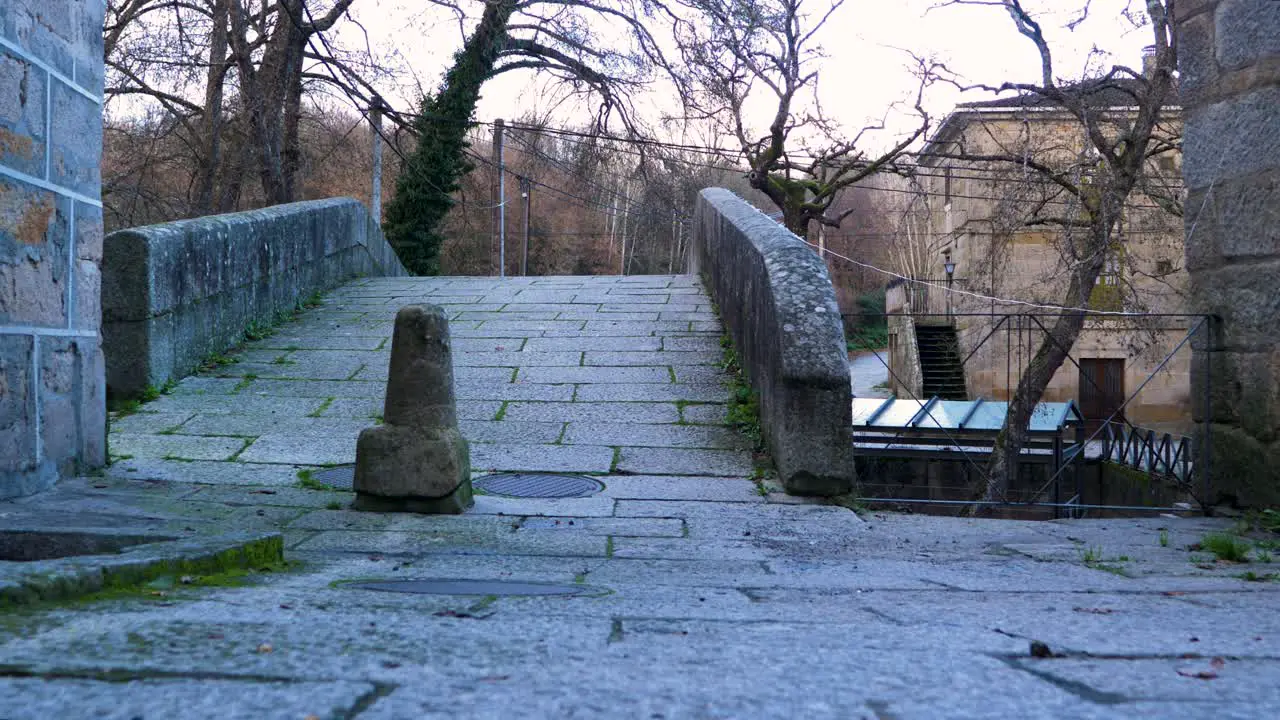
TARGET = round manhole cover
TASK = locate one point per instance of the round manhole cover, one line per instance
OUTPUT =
(538, 485)
(472, 587)
(342, 477)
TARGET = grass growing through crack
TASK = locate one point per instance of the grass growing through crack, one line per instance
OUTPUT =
(1228, 548)
(1093, 559)
(744, 405)
(307, 481)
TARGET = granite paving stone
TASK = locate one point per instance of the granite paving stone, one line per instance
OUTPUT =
(697, 595)
(510, 335)
(255, 425)
(665, 487)
(320, 341)
(616, 344)
(205, 385)
(676, 358)
(294, 449)
(150, 422)
(592, 314)
(486, 345)
(511, 359)
(615, 527)
(656, 436)
(700, 374)
(705, 413)
(235, 404)
(511, 457)
(230, 698)
(693, 344)
(675, 461)
(590, 412)
(371, 407)
(650, 392)
(179, 447)
(511, 431)
(206, 472)
(559, 375)
(513, 391)
(285, 389)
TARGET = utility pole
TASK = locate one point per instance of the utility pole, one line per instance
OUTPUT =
(526, 192)
(375, 195)
(613, 216)
(671, 256)
(499, 198)
(626, 215)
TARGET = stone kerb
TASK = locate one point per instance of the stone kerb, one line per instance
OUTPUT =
(172, 294)
(778, 305)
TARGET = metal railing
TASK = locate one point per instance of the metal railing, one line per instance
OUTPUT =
(1159, 455)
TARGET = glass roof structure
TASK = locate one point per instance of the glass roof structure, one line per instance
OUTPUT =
(974, 415)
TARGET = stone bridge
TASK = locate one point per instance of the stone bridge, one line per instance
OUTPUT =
(284, 316)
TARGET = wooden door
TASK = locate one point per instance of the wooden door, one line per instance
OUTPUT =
(1101, 391)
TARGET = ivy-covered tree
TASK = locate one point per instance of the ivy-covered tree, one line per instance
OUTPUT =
(553, 37)
(425, 187)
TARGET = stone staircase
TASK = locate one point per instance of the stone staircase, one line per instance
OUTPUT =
(940, 362)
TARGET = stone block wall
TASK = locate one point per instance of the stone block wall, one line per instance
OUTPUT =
(1230, 73)
(52, 397)
(778, 305)
(177, 292)
(906, 376)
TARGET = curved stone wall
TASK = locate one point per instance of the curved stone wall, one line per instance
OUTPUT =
(778, 305)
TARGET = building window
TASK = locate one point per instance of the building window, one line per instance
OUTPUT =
(946, 186)
(1107, 294)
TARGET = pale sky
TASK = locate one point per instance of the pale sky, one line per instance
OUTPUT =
(864, 73)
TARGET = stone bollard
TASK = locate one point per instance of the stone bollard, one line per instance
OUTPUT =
(417, 461)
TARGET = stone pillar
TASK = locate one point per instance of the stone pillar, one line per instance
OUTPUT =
(1230, 83)
(52, 397)
(417, 461)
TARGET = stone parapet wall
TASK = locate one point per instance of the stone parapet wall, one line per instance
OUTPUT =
(1230, 76)
(52, 408)
(778, 305)
(173, 294)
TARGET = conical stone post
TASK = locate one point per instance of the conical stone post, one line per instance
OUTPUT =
(417, 461)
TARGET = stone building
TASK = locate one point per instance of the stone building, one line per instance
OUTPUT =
(52, 402)
(986, 219)
(1229, 63)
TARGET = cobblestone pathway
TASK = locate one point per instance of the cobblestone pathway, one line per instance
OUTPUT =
(698, 596)
(593, 375)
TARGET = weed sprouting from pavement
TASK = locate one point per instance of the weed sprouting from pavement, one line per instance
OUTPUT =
(1228, 548)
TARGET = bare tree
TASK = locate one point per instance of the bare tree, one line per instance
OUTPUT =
(1083, 192)
(737, 52)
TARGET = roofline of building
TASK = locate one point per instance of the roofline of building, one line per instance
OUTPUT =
(964, 113)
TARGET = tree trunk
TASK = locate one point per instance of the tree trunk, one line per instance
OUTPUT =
(212, 125)
(1050, 356)
(793, 217)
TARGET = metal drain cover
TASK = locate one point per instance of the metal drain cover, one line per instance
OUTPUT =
(538, 485)
(473, 587)
(342, 477)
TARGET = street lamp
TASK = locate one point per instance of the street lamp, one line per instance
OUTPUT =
(949, 265)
